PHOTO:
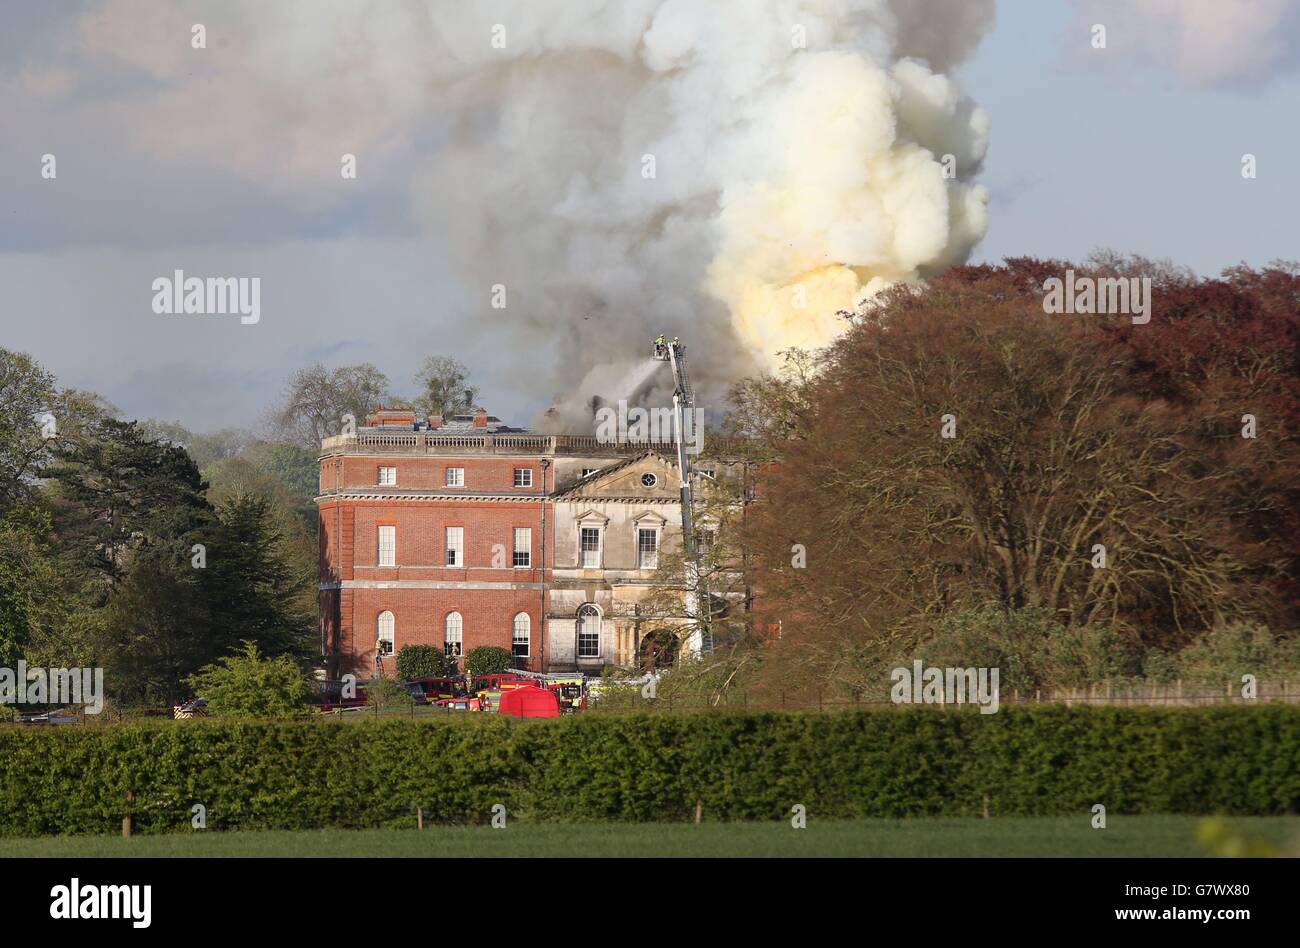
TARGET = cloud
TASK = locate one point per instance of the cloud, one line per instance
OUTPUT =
(1205, 43)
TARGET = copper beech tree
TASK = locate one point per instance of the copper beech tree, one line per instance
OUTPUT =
(959, 446)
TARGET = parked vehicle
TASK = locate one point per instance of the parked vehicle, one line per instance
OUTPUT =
(335, 697)
(499, 682)
(53, 716)
(192, 708)
(463, 703)
(572, 692)
(434, 690)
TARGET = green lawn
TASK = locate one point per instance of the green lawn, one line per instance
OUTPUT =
(1046, 836)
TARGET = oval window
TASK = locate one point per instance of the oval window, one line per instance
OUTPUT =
(649, 480)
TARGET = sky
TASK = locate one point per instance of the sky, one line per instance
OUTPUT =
(166, 162)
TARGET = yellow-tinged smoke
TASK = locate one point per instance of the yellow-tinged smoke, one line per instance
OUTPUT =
(853, 196)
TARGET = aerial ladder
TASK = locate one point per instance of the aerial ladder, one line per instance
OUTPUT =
(698, 639)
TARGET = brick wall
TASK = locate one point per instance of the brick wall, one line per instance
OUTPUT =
(419, 472)
(420, 590)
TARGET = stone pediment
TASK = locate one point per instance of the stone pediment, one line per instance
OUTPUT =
(650, 476)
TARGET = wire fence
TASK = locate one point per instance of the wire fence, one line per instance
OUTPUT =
(1167, 694)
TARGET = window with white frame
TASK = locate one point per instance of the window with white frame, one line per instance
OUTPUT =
(523, 550)
(387, 554)
(588, 632)
(385, 633)
(588, 471)
(455, 477)
(387, 476)
(647, 548)
(705, 539)
(453, 635)
(519, 635)
(589, 543)
(455, 546)
(523, 477)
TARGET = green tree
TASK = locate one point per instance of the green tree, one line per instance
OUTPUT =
(118, 492)
(251, 589)
(444, 387)
(420, 661)
(27, 579)
(488, 660)
(249, 685)
(157, 629)
(26, 391)
(384, 693)
(205, 449)
(292, 465)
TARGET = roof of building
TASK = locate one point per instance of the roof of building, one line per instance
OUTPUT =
(407, 419)
(604, 472)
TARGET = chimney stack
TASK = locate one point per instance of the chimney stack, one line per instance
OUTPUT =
(480, 417)
(382, 417)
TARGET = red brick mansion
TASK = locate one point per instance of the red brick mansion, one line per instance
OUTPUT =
(464, 532)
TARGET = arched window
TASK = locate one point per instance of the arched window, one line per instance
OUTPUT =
(520, 635)
(588, 631)
(385, 632)
(453, 635)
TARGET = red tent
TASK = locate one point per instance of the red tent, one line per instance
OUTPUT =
(529, 701)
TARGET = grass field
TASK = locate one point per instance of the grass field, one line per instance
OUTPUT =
(1044, 836)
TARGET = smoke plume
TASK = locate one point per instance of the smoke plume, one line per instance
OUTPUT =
(732, 172)
(729, 171)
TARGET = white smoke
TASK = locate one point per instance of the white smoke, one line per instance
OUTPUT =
(730, 171)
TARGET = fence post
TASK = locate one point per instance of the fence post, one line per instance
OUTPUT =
(126, 819)
(419, 817)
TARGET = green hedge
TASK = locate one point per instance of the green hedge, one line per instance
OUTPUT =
(886, 763)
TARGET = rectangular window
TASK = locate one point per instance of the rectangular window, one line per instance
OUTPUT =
(588, 471)
(387, 546)
(590, 547)
(523, 477)
(523, 553)
(455, 477)
(455, 546)
(704, 540)
(387, 476)
(647, 548)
